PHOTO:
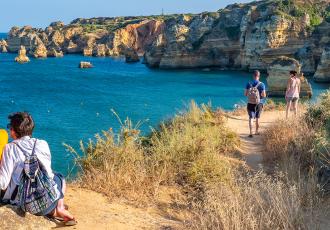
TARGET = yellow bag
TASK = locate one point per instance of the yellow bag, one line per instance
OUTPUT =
(3, 140)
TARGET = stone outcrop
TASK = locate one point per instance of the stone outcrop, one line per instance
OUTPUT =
(88, 51)
(279, 74)
(131, 56)
(54, 50)
(100, 50)
(85, 65)
(40, 51)
(21, 58)
(3, 46)
(323, 70)
(137, 36)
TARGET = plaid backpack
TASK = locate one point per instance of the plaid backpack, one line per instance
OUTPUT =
(36, 191)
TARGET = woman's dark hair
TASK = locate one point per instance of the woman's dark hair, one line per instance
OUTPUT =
(22, 123)
(294, 73)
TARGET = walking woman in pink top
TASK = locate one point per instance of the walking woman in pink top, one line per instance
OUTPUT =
(292, 93)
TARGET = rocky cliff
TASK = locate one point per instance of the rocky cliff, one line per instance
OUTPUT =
(322, 73)
(245, 36)
(278, 77)
(240, 36)
(90, 37)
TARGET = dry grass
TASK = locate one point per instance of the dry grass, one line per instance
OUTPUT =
(257, 202)
(290, 197)
(188, 150)
(288, 139)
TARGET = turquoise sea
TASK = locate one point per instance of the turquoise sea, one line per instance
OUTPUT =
(70, 104)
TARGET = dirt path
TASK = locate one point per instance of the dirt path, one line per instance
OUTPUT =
(251, 148)
(95, 211)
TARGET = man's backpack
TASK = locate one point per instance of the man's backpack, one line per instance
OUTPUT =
(254, 94)
(36, 191)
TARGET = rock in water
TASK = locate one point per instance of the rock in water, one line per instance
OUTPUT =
(54, 50)
(278, 76)
(85, 65)
(21, 58)
(40, 51)
(3, 46)
(131, 56)
(323, 70)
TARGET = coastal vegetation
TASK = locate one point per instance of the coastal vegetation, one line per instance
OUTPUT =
(297, 9)
(197, 153)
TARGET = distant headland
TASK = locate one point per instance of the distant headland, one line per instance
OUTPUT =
(256, 35)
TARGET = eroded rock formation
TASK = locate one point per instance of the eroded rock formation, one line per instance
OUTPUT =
(40, 51)
(131, 56)
(21, 58)
(278, 76)
(136, 33)
(85, 65)
(323, 70)
(3, 46)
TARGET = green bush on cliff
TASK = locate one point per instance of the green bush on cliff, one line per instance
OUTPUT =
(296, 9)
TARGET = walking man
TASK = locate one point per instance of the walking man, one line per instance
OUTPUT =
(292, 93)
(255, 91)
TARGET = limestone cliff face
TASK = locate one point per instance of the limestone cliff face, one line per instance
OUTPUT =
(136, 36)
(40, 51)
(58, 39)
(278, 76)
(323, 70)
(241, 36)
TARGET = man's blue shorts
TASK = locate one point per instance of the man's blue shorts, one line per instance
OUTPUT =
(254, 111)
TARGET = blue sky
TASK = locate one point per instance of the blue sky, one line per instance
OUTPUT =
(39, 13)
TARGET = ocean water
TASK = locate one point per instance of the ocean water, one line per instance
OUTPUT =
(71, 104)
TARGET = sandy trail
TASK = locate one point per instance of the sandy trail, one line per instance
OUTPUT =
(251, 148)
(94, 211)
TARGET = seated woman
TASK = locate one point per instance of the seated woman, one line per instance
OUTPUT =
(21, 127)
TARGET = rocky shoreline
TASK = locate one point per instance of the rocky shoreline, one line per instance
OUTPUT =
(239, 37)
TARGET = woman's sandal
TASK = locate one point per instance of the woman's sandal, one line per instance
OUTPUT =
(70, 222)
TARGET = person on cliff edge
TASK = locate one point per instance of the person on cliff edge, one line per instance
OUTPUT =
(255, 92)
(292, 93)
(14, 164)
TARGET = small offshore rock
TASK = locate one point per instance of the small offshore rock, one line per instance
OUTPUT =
(85, 65)
(3, 46)
(22, 58)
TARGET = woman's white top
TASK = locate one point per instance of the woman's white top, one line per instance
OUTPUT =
(293, 88)
(13, 158)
